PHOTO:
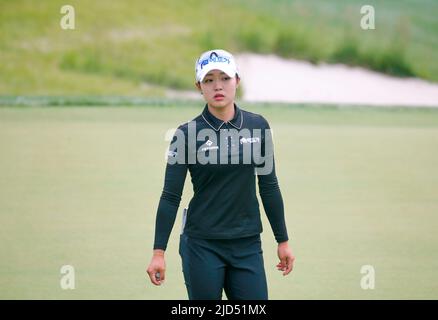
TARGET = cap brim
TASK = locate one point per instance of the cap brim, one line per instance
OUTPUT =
(230, 71)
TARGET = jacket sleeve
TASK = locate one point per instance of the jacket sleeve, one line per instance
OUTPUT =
(269, 190)
(175, 176)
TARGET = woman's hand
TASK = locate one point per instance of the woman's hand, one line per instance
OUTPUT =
(157, 268)
(286, 257)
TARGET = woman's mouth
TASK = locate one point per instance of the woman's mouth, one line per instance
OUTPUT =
(219, 97)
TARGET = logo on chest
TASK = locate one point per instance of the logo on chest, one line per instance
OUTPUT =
(209, 146)
(249, 140)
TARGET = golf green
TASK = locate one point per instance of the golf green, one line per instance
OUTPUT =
(80, 186)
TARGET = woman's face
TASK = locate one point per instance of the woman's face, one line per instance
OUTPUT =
(218, 89)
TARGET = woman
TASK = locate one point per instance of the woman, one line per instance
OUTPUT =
(224, 148)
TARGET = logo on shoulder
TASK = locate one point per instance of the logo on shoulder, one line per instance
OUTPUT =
(249, 140)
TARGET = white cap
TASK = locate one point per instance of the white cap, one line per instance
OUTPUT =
(215, 59)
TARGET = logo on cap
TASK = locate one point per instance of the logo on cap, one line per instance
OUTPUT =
(214, 58)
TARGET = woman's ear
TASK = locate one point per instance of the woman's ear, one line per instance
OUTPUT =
(198, 85)
(237, 81)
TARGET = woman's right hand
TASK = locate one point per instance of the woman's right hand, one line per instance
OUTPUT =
(157, 268)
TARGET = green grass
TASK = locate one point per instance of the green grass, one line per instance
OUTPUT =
(80, 186)
(118, 47)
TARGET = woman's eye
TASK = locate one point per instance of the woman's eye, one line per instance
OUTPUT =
(207, 80)
(226, 78)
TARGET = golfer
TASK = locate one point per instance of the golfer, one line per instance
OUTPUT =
(224, 148)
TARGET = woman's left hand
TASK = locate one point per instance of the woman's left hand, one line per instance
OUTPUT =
(286, 257)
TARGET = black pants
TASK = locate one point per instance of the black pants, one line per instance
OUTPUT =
(235, 265)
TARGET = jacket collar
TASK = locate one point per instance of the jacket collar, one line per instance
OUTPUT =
(216, 123)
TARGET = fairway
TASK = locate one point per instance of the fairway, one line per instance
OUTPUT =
(80, 186)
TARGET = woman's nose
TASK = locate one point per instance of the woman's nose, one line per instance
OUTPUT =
(217, 85)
